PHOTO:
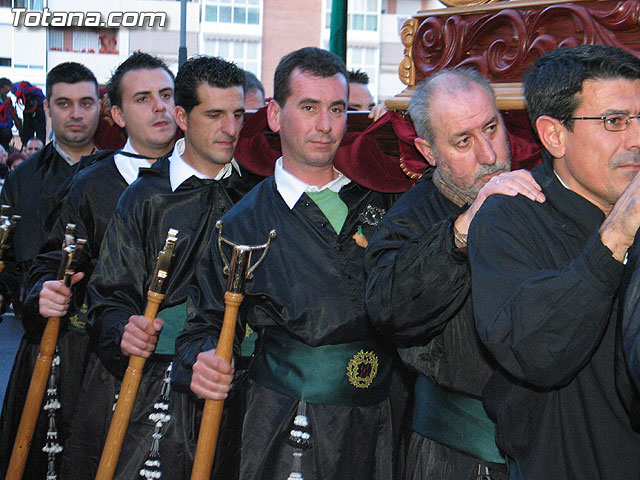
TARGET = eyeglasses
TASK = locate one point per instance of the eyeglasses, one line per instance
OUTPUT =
(614, 122)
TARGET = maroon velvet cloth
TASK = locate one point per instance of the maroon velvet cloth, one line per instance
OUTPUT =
(108, 136)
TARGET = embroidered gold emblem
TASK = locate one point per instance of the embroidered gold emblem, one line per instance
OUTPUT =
(78, 319)
(362, 369)
(248, 331)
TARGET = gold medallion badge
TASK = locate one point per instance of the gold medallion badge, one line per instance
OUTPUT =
(362, 369)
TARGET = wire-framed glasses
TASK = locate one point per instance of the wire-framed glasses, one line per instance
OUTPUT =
(613, 122)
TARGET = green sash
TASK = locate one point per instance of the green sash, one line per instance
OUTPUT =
(174, 318)
(354, 374)
(455, 420)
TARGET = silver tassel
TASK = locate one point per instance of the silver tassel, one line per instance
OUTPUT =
(300, 439)
(51, 406)
(161, 415)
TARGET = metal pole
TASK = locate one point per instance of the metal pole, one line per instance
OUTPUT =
(182, 51)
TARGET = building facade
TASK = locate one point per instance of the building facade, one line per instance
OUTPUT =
(253, 33)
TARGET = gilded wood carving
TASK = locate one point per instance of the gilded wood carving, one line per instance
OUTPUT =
(406, 70)
(503, 43)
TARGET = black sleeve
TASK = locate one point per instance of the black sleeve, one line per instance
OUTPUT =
(542, 324)
(75, 209)
(418, 279)
(117, 288)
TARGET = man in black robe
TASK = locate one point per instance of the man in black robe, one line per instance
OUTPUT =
(546, 275)
(317, 402)
(89, 204)
(34, 190)
(188, 191)
(419, 283)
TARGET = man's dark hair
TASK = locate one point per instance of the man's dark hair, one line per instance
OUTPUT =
(311, 61)
(358, 76)
(4, 82)
(136, 61)
(213, 71)
(251, 82)
(449, 81)
(552, 87)
(69, 72)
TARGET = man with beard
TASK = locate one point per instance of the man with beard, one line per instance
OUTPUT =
(419, 283)
(546, 276)
(187, 191)
(305, 300)
(34, 190)
(141, 93)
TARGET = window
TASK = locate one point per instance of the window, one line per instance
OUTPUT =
(85, 41)
(245, 54)
(365, 59)
(91, 40)
(6, 47)
(362, 15)
(245, 12)
(29, 4)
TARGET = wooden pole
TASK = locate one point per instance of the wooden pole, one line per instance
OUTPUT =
(34, 400)
(133, 375)
(212, 414)
(126, 399)
(42, 367)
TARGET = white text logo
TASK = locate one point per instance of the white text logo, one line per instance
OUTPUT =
(47, 18)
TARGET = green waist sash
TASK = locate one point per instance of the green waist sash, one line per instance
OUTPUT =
(353, 374)
(454, 420)
(174, 318)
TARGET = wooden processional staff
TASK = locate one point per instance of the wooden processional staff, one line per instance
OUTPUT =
(239, 270)
(131, 380)
(70, 250)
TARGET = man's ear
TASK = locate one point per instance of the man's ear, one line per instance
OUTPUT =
(116, 114)
(425, 149)
(181, 118)
(552, 135)
(273, 115)
(46, 108)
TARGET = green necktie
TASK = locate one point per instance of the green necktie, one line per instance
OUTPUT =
(332, 206)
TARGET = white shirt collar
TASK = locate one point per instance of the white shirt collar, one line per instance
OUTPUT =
(129, 167)
(291, 188)
(560, 180)
(179, 170)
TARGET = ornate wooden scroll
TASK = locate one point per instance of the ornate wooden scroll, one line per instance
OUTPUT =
(503, 39)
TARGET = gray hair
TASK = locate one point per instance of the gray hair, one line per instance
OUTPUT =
(448, 81)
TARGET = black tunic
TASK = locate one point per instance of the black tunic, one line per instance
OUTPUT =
(311, 286)
(544, 295)
(419, 294)
(52, 176)
(118, 289)
(33, 190)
